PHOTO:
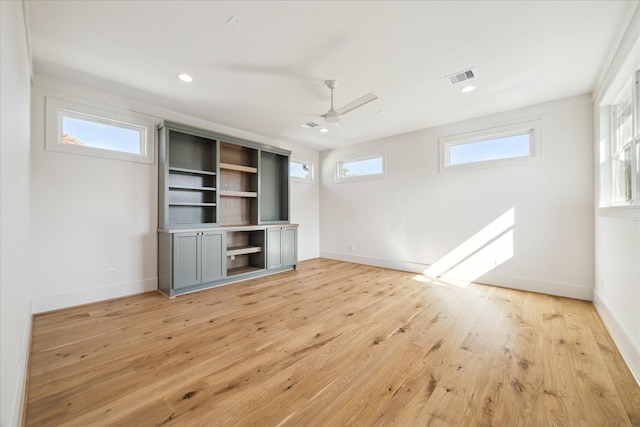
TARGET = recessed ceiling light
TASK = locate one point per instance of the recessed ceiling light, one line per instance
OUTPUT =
(324, 130)
(233, 21)
(468, 89)
(185, 77)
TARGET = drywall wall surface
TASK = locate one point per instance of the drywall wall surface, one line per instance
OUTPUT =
(526, 226)
(305, 204)
(15, 268)
(92, 214)
(617, 238)
(617, 293)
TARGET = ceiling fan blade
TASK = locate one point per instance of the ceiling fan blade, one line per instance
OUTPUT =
(340, 126)
(357, 103)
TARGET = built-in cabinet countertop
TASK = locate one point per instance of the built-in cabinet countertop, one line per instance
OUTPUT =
(225, 228)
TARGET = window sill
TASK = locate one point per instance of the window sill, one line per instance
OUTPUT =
(628, 211)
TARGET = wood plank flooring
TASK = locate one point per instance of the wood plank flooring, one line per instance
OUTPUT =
(330, 344)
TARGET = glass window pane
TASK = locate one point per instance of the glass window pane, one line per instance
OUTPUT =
(490, 149)
(622, 177)
(364, 167)
(99, 134)
(301, 170)
(623, 123)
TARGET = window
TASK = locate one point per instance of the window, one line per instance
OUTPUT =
(620, 147)
(508, 145)
(361, 168)
(80, 129)
(302, 170)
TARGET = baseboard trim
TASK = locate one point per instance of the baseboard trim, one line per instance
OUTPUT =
(20, 407)
(629, 351)
(519, 283)
(86, 296)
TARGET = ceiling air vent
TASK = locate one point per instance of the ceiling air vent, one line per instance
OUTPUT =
(309, 125)
(461, 76)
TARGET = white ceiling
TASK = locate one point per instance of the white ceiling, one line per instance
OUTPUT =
(264, 73)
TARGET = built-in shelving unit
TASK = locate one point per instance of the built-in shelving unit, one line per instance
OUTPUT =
(223, 208)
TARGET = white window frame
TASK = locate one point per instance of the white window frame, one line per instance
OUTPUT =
(305, 161)
(533, 127)
(359, 157)
(609, 151)
(56, 109)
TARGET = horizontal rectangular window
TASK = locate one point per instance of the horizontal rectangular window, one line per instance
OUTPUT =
(504, 146)
(79, 129)
(359, 168)
(89, 131)
(301, 170)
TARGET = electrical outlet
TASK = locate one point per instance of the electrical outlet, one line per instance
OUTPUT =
(111, 272)
(352, 247)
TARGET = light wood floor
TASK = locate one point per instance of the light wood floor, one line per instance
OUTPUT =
(331, 344)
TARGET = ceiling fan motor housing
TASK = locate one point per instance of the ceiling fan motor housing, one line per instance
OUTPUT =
(332, 116)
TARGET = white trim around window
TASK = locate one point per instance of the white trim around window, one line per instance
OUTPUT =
(302, 169)
(139, 131)
(530, 131)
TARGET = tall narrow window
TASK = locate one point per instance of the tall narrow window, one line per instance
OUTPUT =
(621, 148)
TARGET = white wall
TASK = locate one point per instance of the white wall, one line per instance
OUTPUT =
(15, 268)
(617, 251)
(417, 215)
(305, 206)
(90, 214)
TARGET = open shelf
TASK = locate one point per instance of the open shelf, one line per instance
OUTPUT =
(239, 168)
(191, 171)
(190, 188)
(243, 250)
(241, 270)
(229, 193)
(191, 204)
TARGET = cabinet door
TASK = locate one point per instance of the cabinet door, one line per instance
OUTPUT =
(289, 246)
(274, 248)
(186, 260)
(213, 257)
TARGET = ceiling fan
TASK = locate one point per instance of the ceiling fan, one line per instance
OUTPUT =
(333, 115)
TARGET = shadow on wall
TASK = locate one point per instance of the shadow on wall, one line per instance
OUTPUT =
(481, 253)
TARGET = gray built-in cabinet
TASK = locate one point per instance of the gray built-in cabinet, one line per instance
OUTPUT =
(223, 210)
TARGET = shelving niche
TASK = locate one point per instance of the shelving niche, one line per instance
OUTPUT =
(239, 185)
(245, 251)
(191, 180)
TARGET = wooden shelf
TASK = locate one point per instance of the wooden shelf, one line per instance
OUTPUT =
(240, 168)
(243, 250)
(229, 193)
(242, 270)
(192, 204)
(190, 188)
(193, 171)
